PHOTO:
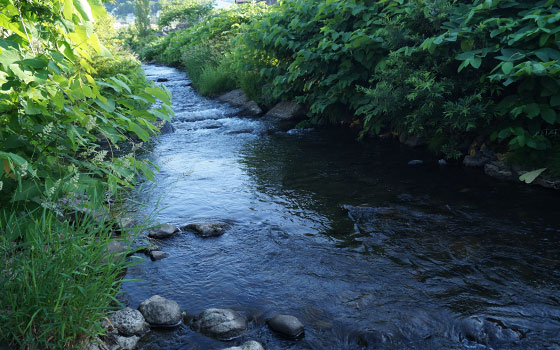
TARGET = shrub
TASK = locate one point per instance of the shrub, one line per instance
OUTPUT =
(214, 80)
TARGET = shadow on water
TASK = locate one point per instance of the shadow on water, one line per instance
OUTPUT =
(368, 252)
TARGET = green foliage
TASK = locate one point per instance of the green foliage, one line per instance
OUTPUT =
(188, 12)
(142, 13)
(57, 279)
(214, 80)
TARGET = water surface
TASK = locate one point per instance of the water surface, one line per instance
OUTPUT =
(367, 251)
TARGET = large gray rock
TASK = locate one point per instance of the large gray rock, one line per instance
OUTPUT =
(223, 324)
(250, 345)
(116, 247)
(286, 110)
(164, 231)
(159, 311)
(129, 322)
(238, 98)
(125, 343)
(286, 325)
(207, 229)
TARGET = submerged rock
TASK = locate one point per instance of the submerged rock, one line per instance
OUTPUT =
(129, 322)
(223, 324)
(286, 110)
(490, 331)
(250, 345)
(159, 311)
(157, 255)
(442, 162)
(286, 325)
(416, 162)
(164, 231)
(207, 229)
(161, 80)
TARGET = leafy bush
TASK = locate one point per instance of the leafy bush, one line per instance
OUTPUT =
(187, 12)
(214, 80)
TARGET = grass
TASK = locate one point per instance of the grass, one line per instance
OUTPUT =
(57, 280)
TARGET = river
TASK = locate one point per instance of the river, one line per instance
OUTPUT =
(367, 251)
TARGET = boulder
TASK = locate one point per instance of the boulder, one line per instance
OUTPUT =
(116, 247)
(250, 345)
(223, 324)
(286, 111)
(164, 231)
(165, 127)
(235, 97)
(207, 229)
(129, 322)
(125, 343)
(161, 80)
(252, 108)
(498, 170)
(416, 162)
(415, 141)
(286, 325)
(159, 311)
(157, 255)
(442, 162)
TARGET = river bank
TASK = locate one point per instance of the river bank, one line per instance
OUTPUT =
(367, 251)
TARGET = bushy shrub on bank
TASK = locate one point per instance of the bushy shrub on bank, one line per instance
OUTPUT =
(69, 98)
(450, 71)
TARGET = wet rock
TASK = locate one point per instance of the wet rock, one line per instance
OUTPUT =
(158, 255)
(149, 247)
(415, 141)
(129, 322)
(235, 97)
(223, 324)
(125, 343)
(94, 344)
(547, 182)
(250, 345)
(416, 162)
(252, 108)
(159, 311)
(442, 162)
(286, 111)
(238, 98)
(498, 170)
(286, 325)
(207, 229)
(165, 127)
(164, 231)
(161, 80)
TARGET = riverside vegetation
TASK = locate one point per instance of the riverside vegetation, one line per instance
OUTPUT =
(463, 75)
(75, 108)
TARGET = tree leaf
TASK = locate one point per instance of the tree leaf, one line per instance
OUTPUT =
(530, 176)
(549, 115)
(507, 67)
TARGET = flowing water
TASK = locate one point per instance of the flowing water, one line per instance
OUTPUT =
(368, 252)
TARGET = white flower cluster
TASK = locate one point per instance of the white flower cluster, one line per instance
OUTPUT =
(47, 129)
(92, 122)
(99, 157)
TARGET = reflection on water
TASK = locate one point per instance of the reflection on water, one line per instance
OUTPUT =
(368, 252)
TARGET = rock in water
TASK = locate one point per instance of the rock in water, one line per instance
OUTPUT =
(164, 231)
(286, 325)
(129, 322)
(158, 255)
(286, 111)
(208, 229)
(223, 324)
(159, 311)
(416, 162)
(125, 343)
(250, 345)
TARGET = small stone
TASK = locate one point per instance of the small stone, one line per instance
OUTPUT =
(126, 343)
(158, 255)
(95, 344)
(207, 229)
(286, 325)
(416, 162)
(161, 80)
(159, 311)
(223, 324)
(129, 322)
(250, 345)
(164, 231)
(442, 162)
(498, 170)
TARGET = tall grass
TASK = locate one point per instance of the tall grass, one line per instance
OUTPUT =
(58, 280)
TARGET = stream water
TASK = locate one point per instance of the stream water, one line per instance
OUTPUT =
(368, 252)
